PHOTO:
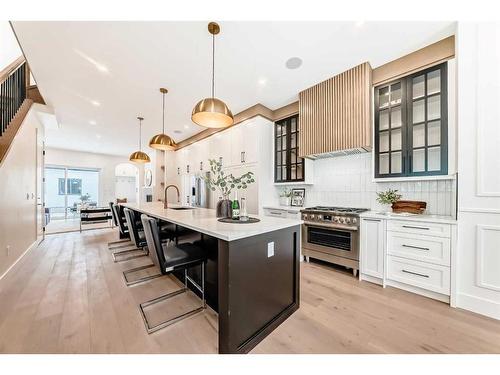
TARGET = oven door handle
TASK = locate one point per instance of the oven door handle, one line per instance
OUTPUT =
(330, 226)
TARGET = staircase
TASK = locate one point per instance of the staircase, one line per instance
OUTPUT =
(16, 98)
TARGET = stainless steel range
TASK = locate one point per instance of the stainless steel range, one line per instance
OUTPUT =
(332, 234)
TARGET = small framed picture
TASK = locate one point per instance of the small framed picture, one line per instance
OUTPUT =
(298, 197)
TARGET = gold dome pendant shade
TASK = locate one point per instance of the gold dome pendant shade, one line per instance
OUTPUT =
(139, 156)
(162, 141)
(212, 112)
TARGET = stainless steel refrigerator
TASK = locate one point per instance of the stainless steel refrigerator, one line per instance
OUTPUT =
(200, 194)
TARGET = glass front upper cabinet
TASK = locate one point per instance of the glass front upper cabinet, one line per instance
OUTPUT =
(411, 125)
(288, 166)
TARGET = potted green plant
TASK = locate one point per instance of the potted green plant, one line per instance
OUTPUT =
(388, 197)
(286, 197)
(225, 183)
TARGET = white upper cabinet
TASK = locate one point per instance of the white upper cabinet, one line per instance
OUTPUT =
(245, 140)
(220, 147)
(200, 156)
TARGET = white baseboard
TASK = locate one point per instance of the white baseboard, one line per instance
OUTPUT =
(371, 279)
(417, 290)
(32, 246)
(479, 305)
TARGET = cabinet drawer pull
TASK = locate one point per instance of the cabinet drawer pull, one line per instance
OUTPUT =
(276, 213)
(415, 273)
(416, 247)
(242, 158)
(201, 165)
(372, 219)
(414, 227)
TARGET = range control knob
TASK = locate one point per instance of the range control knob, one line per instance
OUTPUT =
(312, 216)
(342, 220)
(354, 221)
(304, 216)
(337, 219)
(348, 220)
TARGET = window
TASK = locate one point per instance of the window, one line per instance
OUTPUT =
(411, 125)
(74, 186)
(288, 166)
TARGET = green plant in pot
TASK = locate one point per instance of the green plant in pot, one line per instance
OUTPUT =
(225, 183)
(388, 197)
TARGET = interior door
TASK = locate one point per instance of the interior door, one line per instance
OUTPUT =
(40, 187)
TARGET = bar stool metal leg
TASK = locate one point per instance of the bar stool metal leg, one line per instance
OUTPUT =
(142, 279)
(118, 242)
(121, 246)
(150, 329)
(142, 254)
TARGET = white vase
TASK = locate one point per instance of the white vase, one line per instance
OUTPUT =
(285, 201)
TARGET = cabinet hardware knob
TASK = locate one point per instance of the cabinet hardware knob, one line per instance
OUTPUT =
(415, 273)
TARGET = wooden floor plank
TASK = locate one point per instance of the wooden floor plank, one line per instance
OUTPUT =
(68, 296)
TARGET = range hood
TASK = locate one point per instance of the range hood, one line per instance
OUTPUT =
(335, 115)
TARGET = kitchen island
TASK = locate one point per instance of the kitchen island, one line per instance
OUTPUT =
(252, 273)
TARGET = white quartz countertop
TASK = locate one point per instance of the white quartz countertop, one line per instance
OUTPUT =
(284, 208)
(204, 220)
(409, 217)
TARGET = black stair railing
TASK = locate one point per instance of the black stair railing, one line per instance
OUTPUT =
(13, 89)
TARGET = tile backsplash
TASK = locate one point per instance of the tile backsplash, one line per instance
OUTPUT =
(348, 181)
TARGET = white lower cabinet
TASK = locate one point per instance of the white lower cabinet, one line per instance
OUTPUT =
(414, 255)
(282, 212)
(372, 249)
(422, 275)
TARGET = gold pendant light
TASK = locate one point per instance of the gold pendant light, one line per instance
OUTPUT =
(139, 156)
(212, 112)
(162, 141)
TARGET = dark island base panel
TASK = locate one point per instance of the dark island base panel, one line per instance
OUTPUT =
(252, 293)
(257, 292)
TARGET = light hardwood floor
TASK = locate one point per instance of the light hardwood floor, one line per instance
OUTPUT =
(68, 296)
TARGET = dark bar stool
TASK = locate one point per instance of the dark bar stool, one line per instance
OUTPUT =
(136, 233)
(123, 231)
(170, 257)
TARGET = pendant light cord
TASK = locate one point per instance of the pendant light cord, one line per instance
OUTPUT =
(213, 65)
(163, 118)
(140, 131)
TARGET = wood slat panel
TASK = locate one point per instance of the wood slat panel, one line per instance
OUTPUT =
(336, 114)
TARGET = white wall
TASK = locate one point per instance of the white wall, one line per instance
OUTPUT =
(18, 192)
(105, 163)
(348, 181)
(9, 50)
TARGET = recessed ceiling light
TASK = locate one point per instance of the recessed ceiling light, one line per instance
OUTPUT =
(98, 136)
(262, 81)
(293, 63)
(359, 23)
(96, 103)
(92, 122)
(177, 131)
(186, 126)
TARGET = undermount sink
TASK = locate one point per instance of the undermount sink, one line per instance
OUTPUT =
(181, 208)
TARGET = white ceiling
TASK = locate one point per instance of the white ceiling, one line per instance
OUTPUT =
(108, 73)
